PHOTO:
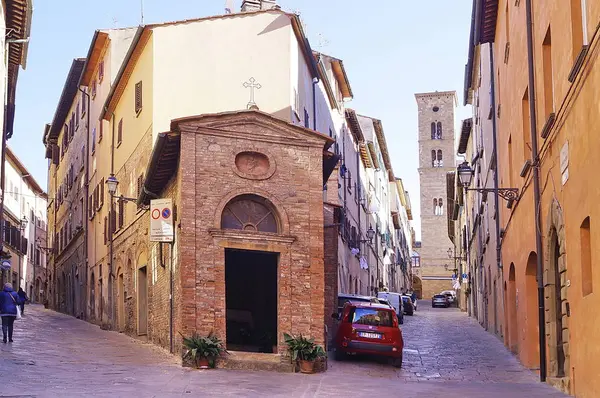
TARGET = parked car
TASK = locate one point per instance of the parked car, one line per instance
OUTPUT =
(440, 300)
(409, 309)
(451, 294)
(386, 302)
(368, 328)
(396, 302)
(343, 298)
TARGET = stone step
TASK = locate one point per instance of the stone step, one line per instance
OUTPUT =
(255, 361)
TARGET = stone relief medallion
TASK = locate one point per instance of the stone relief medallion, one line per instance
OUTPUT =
(253, 165)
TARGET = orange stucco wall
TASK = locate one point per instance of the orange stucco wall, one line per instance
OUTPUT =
(577, 108)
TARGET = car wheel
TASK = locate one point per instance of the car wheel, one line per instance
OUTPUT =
(339, 355)
(397, 362)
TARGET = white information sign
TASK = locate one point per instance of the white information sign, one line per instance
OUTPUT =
(161, 220)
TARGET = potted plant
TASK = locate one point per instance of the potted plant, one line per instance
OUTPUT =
(203, 350)
(304, 351)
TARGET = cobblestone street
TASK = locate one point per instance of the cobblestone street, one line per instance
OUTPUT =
(58, 356)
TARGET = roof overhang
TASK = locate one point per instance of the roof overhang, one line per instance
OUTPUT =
(330, 162)
(354, 125)
(18, 26)
(365, 155)
(373, 154)
(382, 144)
(465, 134)
(401, 192)
(487, 20)
(163, 165)
(325, 80)
(396, 220)
(99, 42)
(66, 100)
(341, 76)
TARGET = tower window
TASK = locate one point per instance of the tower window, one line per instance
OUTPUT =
(438, 207)
(439, 159)
(435, 206)
(433, 134)
(439, 131)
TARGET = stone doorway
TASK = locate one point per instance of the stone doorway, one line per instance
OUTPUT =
(511, 299)
(121, 301)
(142, 290)
(556, 301)
(251, 300)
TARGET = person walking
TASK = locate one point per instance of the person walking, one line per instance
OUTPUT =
(9, 300)
(23, 296)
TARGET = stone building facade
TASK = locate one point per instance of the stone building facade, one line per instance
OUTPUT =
(436, 158)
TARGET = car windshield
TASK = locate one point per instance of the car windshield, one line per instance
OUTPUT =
(439, 296)
(344, 300)
(371, 317)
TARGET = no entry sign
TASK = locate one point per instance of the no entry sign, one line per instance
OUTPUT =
(161, 220)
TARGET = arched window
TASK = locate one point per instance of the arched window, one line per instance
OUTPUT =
(439, 130)
(435, 206)
(433, 158)
(441, 207)
(249, 213)
(433, 130)
(439, 158)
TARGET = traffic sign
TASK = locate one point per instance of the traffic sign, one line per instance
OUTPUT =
(161, 220)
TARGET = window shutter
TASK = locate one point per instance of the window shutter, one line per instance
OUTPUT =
(96, 198)
(121, 213)
(101, 194)
(138, 97)
(101, 70)
(140, 186)
(120, 132)
(105, 230)
(55, 154)
(113, 220)
(82, 106)
(82, 157)
(94, 88)
(91, 206)
(77, 115)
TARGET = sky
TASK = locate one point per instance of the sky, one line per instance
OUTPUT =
(391, 49)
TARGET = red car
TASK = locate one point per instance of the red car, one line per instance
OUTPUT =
(369, 328)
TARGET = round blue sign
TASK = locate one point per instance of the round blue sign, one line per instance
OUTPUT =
(166, 213)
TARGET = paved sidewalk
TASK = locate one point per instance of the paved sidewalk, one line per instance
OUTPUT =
(447, 355)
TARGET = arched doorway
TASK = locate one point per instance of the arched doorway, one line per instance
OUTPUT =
(556, 292)
(531, 358)
(251, 278)
(121, 300)
(512, 310)
(142, 294)
(417, 286)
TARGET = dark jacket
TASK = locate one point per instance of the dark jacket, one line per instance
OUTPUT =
(22, 295)
(8, 306)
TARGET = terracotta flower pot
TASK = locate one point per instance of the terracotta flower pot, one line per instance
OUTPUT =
(202, 363)
(307, 367)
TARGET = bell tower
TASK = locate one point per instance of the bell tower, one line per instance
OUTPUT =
(436, 159)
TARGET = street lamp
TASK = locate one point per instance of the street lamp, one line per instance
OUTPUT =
(465, 175)
(22, 226)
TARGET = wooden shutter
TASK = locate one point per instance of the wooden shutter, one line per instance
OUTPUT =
(113, 219)
(140, 186)
(96, 198)
(121, 213)
(138, 97)
(105, 230)
(101, 70)
(91, 206)
(77, 117)
(101, 194)
(55, 154)
(120, 132)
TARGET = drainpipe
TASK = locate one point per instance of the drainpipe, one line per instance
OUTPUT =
(111, 228)
(495, 150)
(315, 82)
(359, 211)
(536, 192)
(85, 201)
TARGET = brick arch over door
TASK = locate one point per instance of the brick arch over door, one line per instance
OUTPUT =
(556, 295)
(277, 207)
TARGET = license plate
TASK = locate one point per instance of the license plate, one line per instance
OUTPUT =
(370, 335)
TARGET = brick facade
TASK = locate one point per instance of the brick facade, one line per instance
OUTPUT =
(294, 187)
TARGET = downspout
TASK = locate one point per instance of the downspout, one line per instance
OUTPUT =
(111, 226)
(359, 207)
(536, 193)
(495, 165)
(86, 187)
(315, 82)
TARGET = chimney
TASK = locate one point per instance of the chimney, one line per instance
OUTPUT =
(269, 5)
(251, 5)
(255, 5)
